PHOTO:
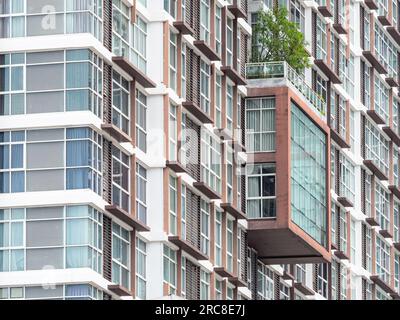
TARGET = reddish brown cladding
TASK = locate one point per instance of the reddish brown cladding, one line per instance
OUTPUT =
(279, 240)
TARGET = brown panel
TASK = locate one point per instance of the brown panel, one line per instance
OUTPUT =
(107, 253)
(193, 218)
(243, 256)
(134, 71)
(243, 53)
(107, 93)
(192, 281)
(107, 24)
(107, 171)
(192, 153)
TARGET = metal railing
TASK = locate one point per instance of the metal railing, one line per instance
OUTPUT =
(281, 69)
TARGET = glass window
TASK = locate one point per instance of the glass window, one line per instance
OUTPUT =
(173, 200)
(77, 17)
(205, 75)
(382, 260)
(376, 147)
(141, 193)
(382, 206)
(171, 7)
(183, 211)
(139, 44)
(229, 107)
(229, 42)
(218, 29)
(170, 268)
(173, 56)
(205, 20)
(260, 124)
(322, 279)
(120, 178)
(173, 133)
(347, 178)
(229, 244)
(141, 121)
(205, 227)
(183, 71)
(308, 175)
(381, 99)
(218, 100)
(12, 240)
(211, 161)
(218, 289)
(140, 268)
(265, 282)
(204, 285)
(261, 190)
(12, 161)
(84, 241)
(321, 40)
(218, 238)
(83, 159)
(120, 256)
(121, 102)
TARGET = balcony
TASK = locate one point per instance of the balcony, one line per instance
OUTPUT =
(205, 49)
(133, 71)
(206, 190)
(237, 282)
(375, 170)
(187, 247)
(375, 117)
(233, 75)
(129, 219)
(326, 69)
(223, 272)
(325, 11)
(372, 221)
(115, 132)
(381, 281)
(392, 135)
(237, 11)
(341, 255)
(335, 136)
(373, 60)
(394, 33)
(371, 4)
(119, 290)
(231, 209)
(303, 289)
(339, 28)
(196, 112)
(391, 81)
(384, 20)
(282, 70)
(395, 190)
(175, 166)
(345, 202)
(183, 27)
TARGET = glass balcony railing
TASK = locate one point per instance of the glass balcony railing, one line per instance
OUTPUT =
(276, 70)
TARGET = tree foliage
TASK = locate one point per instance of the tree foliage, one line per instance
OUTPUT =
(276, 38)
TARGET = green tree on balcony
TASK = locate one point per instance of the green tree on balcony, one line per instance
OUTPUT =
(276, 38)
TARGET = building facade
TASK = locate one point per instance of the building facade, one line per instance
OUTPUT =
(143, 157)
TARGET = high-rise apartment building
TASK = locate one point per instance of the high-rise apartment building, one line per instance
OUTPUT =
(142, 156)
(331, 135)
